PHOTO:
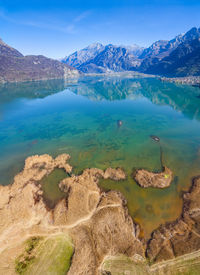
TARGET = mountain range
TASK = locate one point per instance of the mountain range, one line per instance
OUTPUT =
(177, 57)
(15, 67)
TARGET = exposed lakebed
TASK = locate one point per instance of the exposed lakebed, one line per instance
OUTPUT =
(106, 122)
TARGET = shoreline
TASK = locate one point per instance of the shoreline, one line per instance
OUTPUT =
(178, 232)
(187, 80)
(37, 167)
(23, 213)
(3, 82)
(77, 76)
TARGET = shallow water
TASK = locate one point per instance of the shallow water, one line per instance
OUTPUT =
(81, 118)
(51, 192)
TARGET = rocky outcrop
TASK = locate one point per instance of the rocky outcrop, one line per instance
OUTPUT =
(98, 222)
(181, 236)
(158, 180)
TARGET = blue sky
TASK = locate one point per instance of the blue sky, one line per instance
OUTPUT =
(57, 28)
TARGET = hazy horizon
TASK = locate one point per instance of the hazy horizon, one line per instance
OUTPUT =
(58, 28)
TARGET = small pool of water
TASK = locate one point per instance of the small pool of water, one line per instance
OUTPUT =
(51, 191)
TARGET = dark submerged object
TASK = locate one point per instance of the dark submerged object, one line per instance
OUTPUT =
(119, 123)
(155, 138)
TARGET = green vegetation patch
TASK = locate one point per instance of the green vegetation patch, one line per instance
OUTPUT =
(24, 260)
(189, 271)
(50, 256)
(187, 267)
(188, 264)
(122, 265)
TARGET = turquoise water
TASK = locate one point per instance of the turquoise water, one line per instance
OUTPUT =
(81, 118)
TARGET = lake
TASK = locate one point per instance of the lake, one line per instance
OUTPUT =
(106, 122)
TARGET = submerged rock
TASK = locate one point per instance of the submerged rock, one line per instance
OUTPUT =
(149, 179)
(119, 123)
(155, 138)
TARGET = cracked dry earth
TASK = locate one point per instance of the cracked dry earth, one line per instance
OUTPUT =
(97, 222)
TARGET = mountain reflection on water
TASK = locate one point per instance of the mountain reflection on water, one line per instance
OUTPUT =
(183, 98)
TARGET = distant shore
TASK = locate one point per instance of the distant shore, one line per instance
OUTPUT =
(188, 80)
(122, 73)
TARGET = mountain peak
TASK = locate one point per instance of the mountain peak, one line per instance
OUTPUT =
(193, 30)
(95, 45)
(193, 33)
(79, 57)
(99, 58)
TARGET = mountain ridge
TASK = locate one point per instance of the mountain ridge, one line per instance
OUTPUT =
(7, 50)
(15, 67)
(159, 58)
(84, 60)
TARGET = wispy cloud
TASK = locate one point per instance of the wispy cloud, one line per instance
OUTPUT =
(72, 28)
(82, 16)
(68, 28)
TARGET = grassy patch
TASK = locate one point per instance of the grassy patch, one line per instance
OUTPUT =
(50, 256)
(188, 264)
(121, 265)
(190, 269)
(24, 260)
